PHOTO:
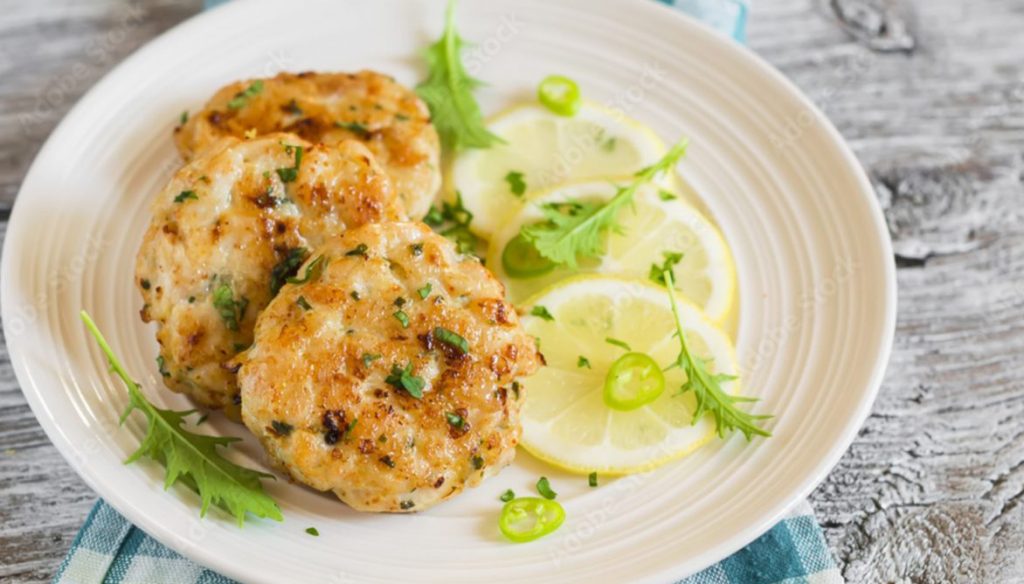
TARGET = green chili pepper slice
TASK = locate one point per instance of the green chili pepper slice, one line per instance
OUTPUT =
(529, 518)
(632, 381)
(520, 259)
(560, 94)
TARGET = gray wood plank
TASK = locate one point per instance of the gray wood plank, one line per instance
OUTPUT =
(929, 93)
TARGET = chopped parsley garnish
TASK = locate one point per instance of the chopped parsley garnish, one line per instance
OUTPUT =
(416, 249)
(348, 429)
(145, 284)
(402, 318)
(666, 196)
(455, 420)
(313, 531)
(231, 311)
(161, 365)
(183, 118)
(388, 462)
(399, 302)
(286, 268)
(657, 273)
(301, 301)
(425, 291)
(281, 428)
(355, 295)
(618, 343)
(544, 488)
(186, 195)
(313, 271)
(402, 117)
(542, 312)
(402, 378)
(478, 462)
(406, 505)
(289, 174)
(359, 250)
(583, 362)
(592, 479)
(370, 358)
(242, 97)
(515, 181)
(452, 221)
(452, 339)
(354, 127)
(507, 496)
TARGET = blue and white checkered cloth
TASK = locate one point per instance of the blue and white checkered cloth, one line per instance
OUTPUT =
(110, 550)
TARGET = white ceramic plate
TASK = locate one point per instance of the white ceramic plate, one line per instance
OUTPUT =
(817, 287)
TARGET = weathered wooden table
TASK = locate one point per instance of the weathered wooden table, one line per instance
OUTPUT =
(930, 94)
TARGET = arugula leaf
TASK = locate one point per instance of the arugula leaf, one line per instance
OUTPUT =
(191, 458)
(707, 388)
(657, 273)
(576, 228)
(448, 92)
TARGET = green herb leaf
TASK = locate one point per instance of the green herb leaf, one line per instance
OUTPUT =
(452, 339)
(448, 91)
(231, 311)
(544, 488)
(370, 358)
(281, 428)
(507, 496)
(287, 268)
(583, 362)
(618, 343)
(359, 250)
(161, 365)
(291, 173)
(313, 531)
(452, 221)
(313, 271)
(478, 462)
(666, 196)
(183, 118)
(425, 291)
(301, 301)
(242, 97)
(402, 378)
(542, 312)
(191, 458)
(354, 127)
(402, 317)
(516, 184)
(185, 195)
(707, 388)
(576, 229)
(455, 420)
(592, 479)
(657, 273)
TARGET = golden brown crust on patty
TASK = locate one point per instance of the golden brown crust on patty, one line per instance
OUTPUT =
(331, 107)
(219, 229)
(321, 385)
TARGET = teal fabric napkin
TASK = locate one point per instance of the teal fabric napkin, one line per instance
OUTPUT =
(110, 550)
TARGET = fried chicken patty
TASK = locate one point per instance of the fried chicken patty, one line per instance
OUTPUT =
(228, 229)
(330, 108)
(389, 379)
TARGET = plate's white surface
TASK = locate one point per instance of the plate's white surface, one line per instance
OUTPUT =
(817, 287)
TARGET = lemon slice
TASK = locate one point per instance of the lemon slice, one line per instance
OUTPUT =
(548, 149)
(566, 421)
(653, 226)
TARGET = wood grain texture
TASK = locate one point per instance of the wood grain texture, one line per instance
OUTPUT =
(930, 95)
